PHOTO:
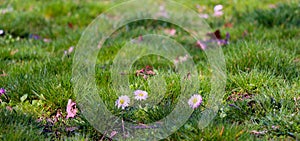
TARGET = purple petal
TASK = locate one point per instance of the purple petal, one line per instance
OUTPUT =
(227, 36)
(2, 91)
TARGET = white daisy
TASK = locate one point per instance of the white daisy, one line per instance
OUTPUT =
(140, 95)
(123, 101)
(195, 101)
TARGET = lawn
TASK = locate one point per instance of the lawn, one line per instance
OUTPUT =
(39, 46)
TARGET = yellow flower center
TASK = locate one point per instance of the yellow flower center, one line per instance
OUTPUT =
(195, 100)
(141, 94)
(122, 101)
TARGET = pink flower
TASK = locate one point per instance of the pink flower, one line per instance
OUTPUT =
(2, 91)
(218, 10)
(218, 7)
(71, 49)
(170, 32)
(195, 101)
(71, 109)
(139, 72)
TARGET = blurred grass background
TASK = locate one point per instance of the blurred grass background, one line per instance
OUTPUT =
(262, 61)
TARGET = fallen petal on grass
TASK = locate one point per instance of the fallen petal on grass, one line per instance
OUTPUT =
(9, 108)
(71, 129)
(145, 72)
(202, 45)
(3, 74)
(258, 132)
(113, 133)
(71, 109)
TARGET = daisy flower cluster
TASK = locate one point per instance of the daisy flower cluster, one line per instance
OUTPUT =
(124, 101)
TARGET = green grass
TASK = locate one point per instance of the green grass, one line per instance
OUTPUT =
(265, 64)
